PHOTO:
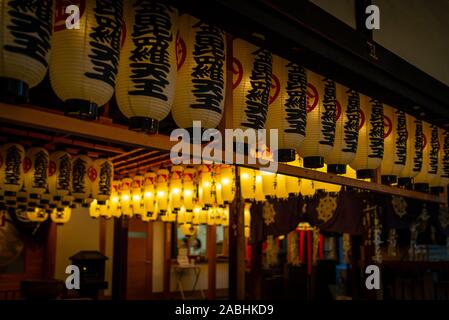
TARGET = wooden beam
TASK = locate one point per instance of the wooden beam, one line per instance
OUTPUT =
(211, 261)
(133, 160)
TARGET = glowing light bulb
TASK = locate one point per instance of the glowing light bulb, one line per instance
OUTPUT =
(125, 197)
(258, 178)
(148, 194)
(218, 186)
(245, 176)
(188, 193)
(175, 191)
(115, 199)
(160, 194)
(196, 210)
(136, 197)
(206, 184)
(225, 181)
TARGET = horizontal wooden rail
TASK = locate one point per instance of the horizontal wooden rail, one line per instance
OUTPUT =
(34, 118)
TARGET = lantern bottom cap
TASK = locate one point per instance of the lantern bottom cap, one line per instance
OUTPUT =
(365, 174)
(144, 124)
(421, 187)
(13, 90)
(101, 202)
(388, 179)
(286, 155)
(313, 162)
(436, 190)
(336, 168)
(80, 108)
(404, 181)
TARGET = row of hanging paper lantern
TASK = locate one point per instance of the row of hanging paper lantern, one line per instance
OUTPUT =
(44, 183)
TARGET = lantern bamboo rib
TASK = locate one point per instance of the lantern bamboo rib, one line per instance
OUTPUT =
(121, 135)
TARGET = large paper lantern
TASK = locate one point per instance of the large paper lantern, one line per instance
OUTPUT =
(162, 195)
(147, 70)
(12, 156)
(201, 78)
(321, 120)
(268, 183)
(287, 109)
(36, 164)
(259, 195)
(103, 172)
(439, 184)
(281, 186)
(370, 146)
(60, 176)
(252, 72)
(176, 187)
(414, 158)
(83, 174)
(292, 184)
(26, 28)
(346, 130)
(395, 145)
(431, 145)
(84, 60)
(189, 188)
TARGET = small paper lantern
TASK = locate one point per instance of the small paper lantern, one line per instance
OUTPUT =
(196, 214)
(61, 217)
(94, 209)
(281, 186)
(414, 158)
(104, 210)
(287, 109)
(60, 176)
(187, 229)
(114, 200)
(125, 197)
(136, 194)
(84, 61)
(36, 164)
(189, 190)
(247, 219)
(268, 183)
(205, 185)
(370, 146)
(37, 215)
(83, 174)
(181, 218)
(252, 70)
(24, 47)
(321, 120)
(292, 184)
(176, 187)
(395, 145)
(346, 130)
(438, 185)
(225, 217)
(146, 76)
(12, 156)
(429, 173)
(162, 195)
(227, 182)
(247, 183)
(149, 192)
(103, 171)
(201, 78)
(259, 195)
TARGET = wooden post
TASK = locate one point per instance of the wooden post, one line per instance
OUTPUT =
(102, 233)
(212, 261)
(48, 271)
(256, 270)
(120, 263)
(167, 259)
(149, 257)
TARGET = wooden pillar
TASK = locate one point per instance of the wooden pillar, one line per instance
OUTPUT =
(120, 263)
(256, 269)
(149, 257)
(48, 271)
(102, 236)
(167, 259)
(212, 261)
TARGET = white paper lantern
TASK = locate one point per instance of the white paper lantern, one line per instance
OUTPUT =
(176, 187)
(189, 188)
(292, 184)
(247, 183)
(83, 174)
(36, 166)
(259, 195)
(146, 76)
(268, 183)
(125, 197)
(287, 109)
(321, 120)
(61, 217)
(26, 29)
(136, 194)
(84, 60)
(414, 159)
(395, 145)
(162, 195)
(346, 130)
(149, 192)
(252, 70)
(94, 209)
(205, 185)
(60, 176)
(114, 200)
(431, 145)
(37, 215)
(227, 182)
(12, 156)
(103, 171)
(370, 146)
(201, 78)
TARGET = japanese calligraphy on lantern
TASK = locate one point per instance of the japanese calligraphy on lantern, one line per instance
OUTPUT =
(401, 138)
(351, 126)
(328, 116)
(377, 130)
(296, 103)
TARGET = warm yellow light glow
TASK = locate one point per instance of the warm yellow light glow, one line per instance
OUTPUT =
(136, 197)
(175, 190)
(258, 178)
(125, 197)
(225, 181)
(187, 193)
(148, 194)
(206, 184)
(160, 194)
(115, 199)
(245, 176)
